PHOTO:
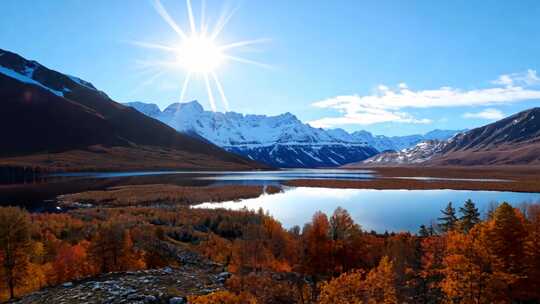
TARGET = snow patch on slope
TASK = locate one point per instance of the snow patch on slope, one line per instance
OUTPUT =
(26, 79)
(420, 153)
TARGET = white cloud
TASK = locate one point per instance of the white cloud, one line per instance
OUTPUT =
(367, 116)
(490, 114)
(528, 78)
(386, 104)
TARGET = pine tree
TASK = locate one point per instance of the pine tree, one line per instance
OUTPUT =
(423, 232)
(431, 230)
(448, 221)
(469, 216)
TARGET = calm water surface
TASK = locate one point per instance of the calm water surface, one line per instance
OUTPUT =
(234, 177)
(379, 210)
(251, 177)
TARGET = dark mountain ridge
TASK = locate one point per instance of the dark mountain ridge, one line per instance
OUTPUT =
(514, 140)
(44, 111)
(518, 128)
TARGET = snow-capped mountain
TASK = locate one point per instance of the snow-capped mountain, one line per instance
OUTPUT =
(514, 140)
(280, 141)
(419, 153)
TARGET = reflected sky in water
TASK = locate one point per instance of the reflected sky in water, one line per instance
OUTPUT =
(379, 210)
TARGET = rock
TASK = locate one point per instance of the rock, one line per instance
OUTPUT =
(150, 299)
(177, 300)
(132, 297)
(224, 276)
(151, 286)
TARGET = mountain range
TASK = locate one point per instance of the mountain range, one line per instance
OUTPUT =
(282, 140)
(514, 140)
(55, 120)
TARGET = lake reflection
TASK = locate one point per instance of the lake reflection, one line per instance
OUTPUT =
(235, 176)
(379, 210)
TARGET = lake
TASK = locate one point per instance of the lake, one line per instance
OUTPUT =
(379, 210)
(252, 177)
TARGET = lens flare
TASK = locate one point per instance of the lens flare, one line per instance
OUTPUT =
(198, 52)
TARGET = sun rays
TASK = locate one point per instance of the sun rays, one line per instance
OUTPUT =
(198, 51)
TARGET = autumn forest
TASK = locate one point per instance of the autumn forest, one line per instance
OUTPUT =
(465, 257)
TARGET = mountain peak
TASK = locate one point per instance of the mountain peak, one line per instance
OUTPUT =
(288, 116)
(149, 109)
(192, 106)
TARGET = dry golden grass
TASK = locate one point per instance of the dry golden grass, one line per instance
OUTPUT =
(99, 158)
(140, 195)
(517, 179)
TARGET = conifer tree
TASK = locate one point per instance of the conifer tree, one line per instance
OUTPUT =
(448, 221)
(469, 216)
(423, 232)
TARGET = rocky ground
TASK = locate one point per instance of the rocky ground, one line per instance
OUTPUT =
(167, 285)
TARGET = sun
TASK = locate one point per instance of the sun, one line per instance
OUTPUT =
(198, 51)
(199, 54)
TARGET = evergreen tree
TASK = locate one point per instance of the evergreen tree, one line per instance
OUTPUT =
(448, 221)
(431, 230)
(469, 216)
(423, 232)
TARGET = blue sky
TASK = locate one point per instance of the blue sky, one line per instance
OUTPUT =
(390, 67)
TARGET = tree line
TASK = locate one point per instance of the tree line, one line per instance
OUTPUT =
(462, 259)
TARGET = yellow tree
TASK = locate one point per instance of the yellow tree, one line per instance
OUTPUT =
(472, 272)
(431, 266)
(317, 245)
(532, 250)
(348, 288)
(71, 263)
(466, 269)
(14, 247)
(107, 247)
(222, 297)
(505, 239)
(130, 258)
(381, 283)
(344, 234)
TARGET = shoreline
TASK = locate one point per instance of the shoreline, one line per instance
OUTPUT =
(509, 178)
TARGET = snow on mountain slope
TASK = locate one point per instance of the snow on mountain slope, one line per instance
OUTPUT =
(442, 134)
(27, 78)
(420, 153)
(32, 72)
(147, 109)
(50, 119)
(280, 141)
(514, 140)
